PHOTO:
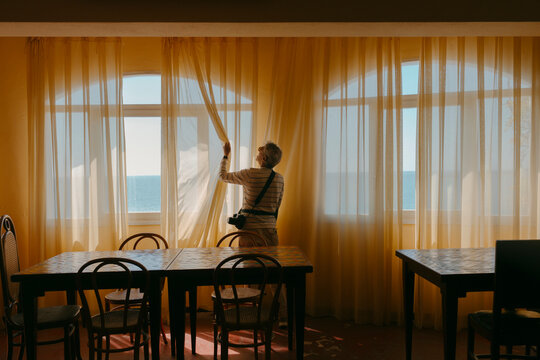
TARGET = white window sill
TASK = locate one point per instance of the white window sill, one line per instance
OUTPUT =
(140, 218)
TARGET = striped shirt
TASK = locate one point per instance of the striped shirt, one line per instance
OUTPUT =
(253, 181)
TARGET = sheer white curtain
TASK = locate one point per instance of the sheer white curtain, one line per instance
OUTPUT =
(208, 89)
(478, 160)
(76, 130)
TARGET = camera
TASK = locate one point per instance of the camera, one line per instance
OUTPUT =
(237, 220)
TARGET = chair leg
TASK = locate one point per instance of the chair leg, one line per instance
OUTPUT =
(21, 350)
(67, 343)
(470, 342)
(99, 349)
(224, 344)
(255, 344)
(146, 349)
(268, 344)
(108, 347)
(77, 341)
(10, 344)
(215, 340)
(91, 348)
(137, 345)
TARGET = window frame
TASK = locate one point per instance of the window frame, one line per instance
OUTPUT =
(409, 101)
(142, 110)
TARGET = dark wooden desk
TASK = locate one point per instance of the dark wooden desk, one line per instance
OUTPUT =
(195, 267)
(455, 272)
(58, 274)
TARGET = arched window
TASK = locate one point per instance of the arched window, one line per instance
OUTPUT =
(143, 133)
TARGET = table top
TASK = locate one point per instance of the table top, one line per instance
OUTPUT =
(290, 257)
(70, 262)
(453, 261)
(163, 260)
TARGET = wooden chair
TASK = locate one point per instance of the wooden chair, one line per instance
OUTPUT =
(235, 314)
(245, 293)
(253, 239)
(65, 317)
(117, 298)
(517, 287)
(158, 242)
(121, 320)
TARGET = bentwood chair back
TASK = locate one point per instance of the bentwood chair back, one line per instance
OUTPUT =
(235, 314)
(136, 241)
(517, 288)
(121, 320)
(65, 317)
(140, 240)
(249, 238)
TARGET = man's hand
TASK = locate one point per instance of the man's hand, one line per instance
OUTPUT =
(227, 148)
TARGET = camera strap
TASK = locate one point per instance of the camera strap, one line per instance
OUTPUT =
(259, 198)
(263, 191)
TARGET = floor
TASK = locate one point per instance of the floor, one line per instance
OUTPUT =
(325, 338)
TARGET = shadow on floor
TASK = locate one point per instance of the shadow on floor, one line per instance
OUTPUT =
(325, 338)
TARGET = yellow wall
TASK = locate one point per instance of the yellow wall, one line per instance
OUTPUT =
(14, 135)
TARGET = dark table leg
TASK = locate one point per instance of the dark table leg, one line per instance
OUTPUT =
(155, 317)
(29, 304)
(193, 317)
(408, 307)
(290, 314)
(172, 317)
(300, 313)
(449, 308)
(179, 292)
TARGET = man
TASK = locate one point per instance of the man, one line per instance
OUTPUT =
(263, 221)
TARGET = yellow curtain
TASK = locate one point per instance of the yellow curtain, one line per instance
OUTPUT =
(77, 166)
(335, 111)
(208, 89)
(336, 107)
(478, 158)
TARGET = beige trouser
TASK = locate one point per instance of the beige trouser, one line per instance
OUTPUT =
(271, 237)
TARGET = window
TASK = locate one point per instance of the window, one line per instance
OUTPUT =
(196, 137)
(142, 123)
(350, 128)
(409, 82)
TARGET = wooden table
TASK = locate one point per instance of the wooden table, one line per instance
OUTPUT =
(195, 267)
(455, 272)
(185, 268)
(58, 274)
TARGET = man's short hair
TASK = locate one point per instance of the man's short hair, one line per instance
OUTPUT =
(273, 154)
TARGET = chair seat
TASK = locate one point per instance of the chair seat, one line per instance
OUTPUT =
(119, 296)
(244, 294)
(114, 321)
(520, 327)
(248, 317)
(51, 317)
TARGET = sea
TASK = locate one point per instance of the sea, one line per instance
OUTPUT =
(144, 192)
